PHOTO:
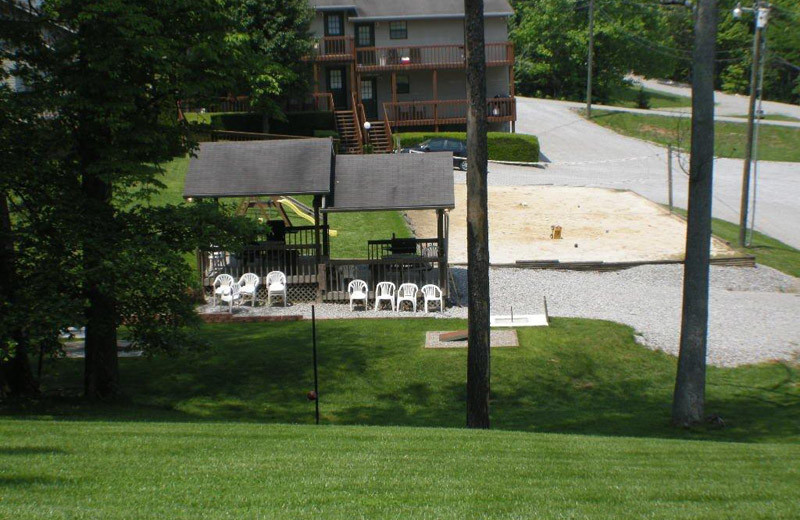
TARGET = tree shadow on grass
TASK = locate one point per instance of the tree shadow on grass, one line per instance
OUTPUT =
(574, 377)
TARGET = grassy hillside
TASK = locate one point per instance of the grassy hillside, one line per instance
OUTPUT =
(776, 143)
(158, 470)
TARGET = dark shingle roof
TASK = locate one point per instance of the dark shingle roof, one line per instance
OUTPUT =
(250, 168)
(409, 9)
(393, 182)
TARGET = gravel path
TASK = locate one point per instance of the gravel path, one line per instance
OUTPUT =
(754, 317)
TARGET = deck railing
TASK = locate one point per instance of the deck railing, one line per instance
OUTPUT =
(422, 247)
(226, 104)
(333, 48)
(321, 102)
(445, 112)
(427, 56)
(339, 273)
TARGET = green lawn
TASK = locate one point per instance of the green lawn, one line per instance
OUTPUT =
(767, 250)
(590, 405)
(627, 96)
(502, 146)
(776, 143)
(159, 470)
(577, 376)
(354, 229)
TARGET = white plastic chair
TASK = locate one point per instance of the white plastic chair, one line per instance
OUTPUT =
(407, 293)
(220, 282)
(358, 291)
(276, 286)
(432, 293)
(384, 292)
(231, 294)
(249, 283)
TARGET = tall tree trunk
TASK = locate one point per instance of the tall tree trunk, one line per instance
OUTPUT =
(16, 376)
(477, 220)
(689, 398)
(101, 374)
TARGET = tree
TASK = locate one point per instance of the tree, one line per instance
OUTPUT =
(104, 79)
(477, 220)
(689, 397)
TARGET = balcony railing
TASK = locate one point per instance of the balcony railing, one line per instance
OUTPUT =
(446, 112)
(321, 101)
(427, 57)
(333, 48)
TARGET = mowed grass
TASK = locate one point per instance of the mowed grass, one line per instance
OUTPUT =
(772, 117)
(577, 376)
(158, 470)
(767, 250)
(776, 143)
(354, 229)
(628, 96)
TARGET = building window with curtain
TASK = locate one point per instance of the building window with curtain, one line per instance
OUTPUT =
(398, 31)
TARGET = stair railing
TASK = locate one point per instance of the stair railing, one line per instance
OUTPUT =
(359, 135)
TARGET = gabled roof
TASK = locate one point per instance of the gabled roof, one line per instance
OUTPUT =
(403, 181)
(252, 168)
(376, 10)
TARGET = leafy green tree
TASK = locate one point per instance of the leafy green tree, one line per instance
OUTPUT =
(104, 79)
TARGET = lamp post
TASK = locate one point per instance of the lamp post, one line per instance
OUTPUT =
(761, 12)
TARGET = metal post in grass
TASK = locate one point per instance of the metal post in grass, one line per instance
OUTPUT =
(314, 347)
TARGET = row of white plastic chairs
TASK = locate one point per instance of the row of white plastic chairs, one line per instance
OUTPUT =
(388, 292)
(231, 291)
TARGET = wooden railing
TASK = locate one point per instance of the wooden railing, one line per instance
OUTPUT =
(339, 273)
(333, 48)
(359, 130)
(229, 135)
(427, 56)
(421, 247)
(320, 101)
(226, 104)
(444, 112)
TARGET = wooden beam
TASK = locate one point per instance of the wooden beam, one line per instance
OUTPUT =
(435, 98)
(394, 87)
(281, 211)
(440, 247)
(316, 78)
(316, 228)
(326, 239)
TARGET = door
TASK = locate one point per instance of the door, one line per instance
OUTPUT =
(336, 79)
(365, 43)
(369, 97)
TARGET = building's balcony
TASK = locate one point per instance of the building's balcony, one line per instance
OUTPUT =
(446, 112)
(370, 59)
(333, 48)
(410, 57)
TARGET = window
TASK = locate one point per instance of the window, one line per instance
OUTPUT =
(403, 85)
(335, 79)
(334, 25)
(364, 36)
(366, 90)
(398, 31)
(436, 145)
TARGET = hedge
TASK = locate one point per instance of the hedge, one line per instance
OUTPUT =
(303, 123)
(503, 146)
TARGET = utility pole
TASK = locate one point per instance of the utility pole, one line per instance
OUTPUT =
(761, 15)
(590, 61)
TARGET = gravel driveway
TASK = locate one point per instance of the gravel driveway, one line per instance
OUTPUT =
(755, 313)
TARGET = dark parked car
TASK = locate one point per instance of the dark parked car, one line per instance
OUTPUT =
(440, 144)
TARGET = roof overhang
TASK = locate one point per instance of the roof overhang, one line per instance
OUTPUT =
(454, 16)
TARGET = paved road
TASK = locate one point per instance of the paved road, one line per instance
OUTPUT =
(585, 154)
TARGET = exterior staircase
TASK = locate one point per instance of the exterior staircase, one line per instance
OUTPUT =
(380, 137)
(349, 132)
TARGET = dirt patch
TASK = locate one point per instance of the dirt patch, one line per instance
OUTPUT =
(598, 225)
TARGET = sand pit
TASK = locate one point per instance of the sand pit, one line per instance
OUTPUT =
(598, 225)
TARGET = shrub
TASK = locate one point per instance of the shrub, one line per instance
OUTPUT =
(303, 123)
(503, 146)
(238, 121)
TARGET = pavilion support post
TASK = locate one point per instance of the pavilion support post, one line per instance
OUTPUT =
(326, 238)
(512, 93)
(316, 230)
(435, 98)
(441, 248)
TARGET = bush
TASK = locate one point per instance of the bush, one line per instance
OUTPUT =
(303, 123)
(326, 133)
(502, 145)
(238, 121)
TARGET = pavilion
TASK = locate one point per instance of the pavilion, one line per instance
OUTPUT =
(263, 173)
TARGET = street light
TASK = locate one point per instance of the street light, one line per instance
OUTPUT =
(756, 81)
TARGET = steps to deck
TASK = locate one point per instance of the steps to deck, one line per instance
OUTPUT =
(349, 132)
(380, 137)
